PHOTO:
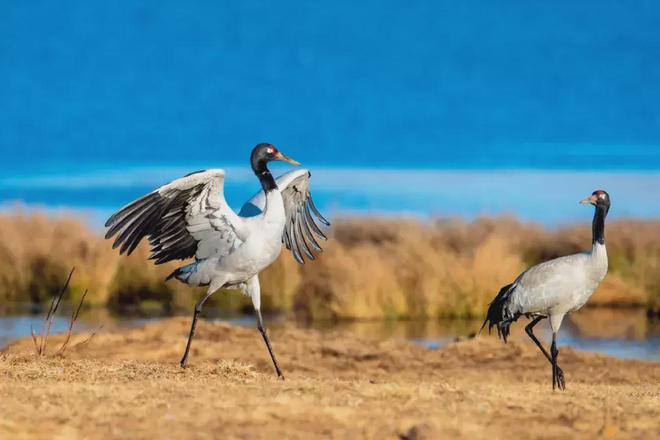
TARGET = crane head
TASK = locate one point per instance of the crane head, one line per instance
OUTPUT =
(264, 153)
(598, 198)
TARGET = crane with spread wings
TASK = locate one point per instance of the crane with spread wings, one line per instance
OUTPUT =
(190, 218)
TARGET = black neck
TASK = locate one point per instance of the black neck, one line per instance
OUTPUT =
(265, 178)
(598, 225)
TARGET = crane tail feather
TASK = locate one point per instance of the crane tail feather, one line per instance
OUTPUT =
(499, 314)
(187, 274)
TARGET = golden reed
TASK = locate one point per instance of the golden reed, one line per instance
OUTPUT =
(372, 268)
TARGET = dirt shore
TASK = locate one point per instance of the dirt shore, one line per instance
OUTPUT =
(127, 384)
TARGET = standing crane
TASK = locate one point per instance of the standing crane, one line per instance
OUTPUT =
(554, 288)
(189, 217)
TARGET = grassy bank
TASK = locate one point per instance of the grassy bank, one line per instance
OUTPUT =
(371, 268)
(127, 383)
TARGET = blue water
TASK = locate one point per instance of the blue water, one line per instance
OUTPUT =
(547, 196)
(628, 342)
(432, 83)
(508, 107)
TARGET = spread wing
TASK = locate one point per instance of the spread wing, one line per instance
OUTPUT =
(188, 217)
(301, 231)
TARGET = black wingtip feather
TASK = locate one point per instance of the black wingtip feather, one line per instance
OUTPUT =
(124, 212)
(159, 216)
(174, 274)
(316, 211)
(312, 223)
(301, 237)
(295, 249)
(307, 231)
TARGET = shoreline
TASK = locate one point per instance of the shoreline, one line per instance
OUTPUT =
(634, 336)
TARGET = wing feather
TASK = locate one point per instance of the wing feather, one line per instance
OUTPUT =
(316, 211)
(301, 236)
(297, 203)
(301, 232)
(186, 218)
(309, 236)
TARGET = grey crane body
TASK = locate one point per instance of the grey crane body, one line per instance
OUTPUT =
(554, 288)
(190, 217)
(557, 287)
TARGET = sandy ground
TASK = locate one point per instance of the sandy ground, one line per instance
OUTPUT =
(127, 384)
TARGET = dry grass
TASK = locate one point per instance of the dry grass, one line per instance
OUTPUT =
(127, 384)
(371, 268)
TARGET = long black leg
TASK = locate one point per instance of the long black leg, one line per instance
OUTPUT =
(529, 329)
(197, 311)
(262, 330)
(557, 373)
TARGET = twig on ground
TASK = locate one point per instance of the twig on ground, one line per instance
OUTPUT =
(34, 340)
(74, 318)
(86, 341)
(48, 321)
(41, 341)
(43, 327)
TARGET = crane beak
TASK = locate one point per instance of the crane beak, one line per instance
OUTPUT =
(285, 158)
(591, 200)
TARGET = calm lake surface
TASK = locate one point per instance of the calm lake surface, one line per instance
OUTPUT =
(623, 333)
(451, 112)
(92, 192)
